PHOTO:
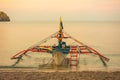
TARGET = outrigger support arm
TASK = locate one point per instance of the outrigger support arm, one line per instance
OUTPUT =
(89, 48)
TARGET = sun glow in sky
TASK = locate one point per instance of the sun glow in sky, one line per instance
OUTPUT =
(71, 10)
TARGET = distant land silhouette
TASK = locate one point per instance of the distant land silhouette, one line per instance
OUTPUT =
(3, 17)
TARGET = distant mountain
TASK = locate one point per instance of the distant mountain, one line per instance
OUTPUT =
(3, 17)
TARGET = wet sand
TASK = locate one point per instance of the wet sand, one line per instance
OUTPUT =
(58, 75)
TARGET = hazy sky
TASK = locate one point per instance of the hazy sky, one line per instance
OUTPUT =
(70, 10)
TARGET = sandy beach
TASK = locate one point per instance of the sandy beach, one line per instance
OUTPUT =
(56, 75)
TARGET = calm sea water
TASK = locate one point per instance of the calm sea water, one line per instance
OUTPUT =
(103, 36)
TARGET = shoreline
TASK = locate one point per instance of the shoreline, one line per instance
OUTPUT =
(57, 70)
